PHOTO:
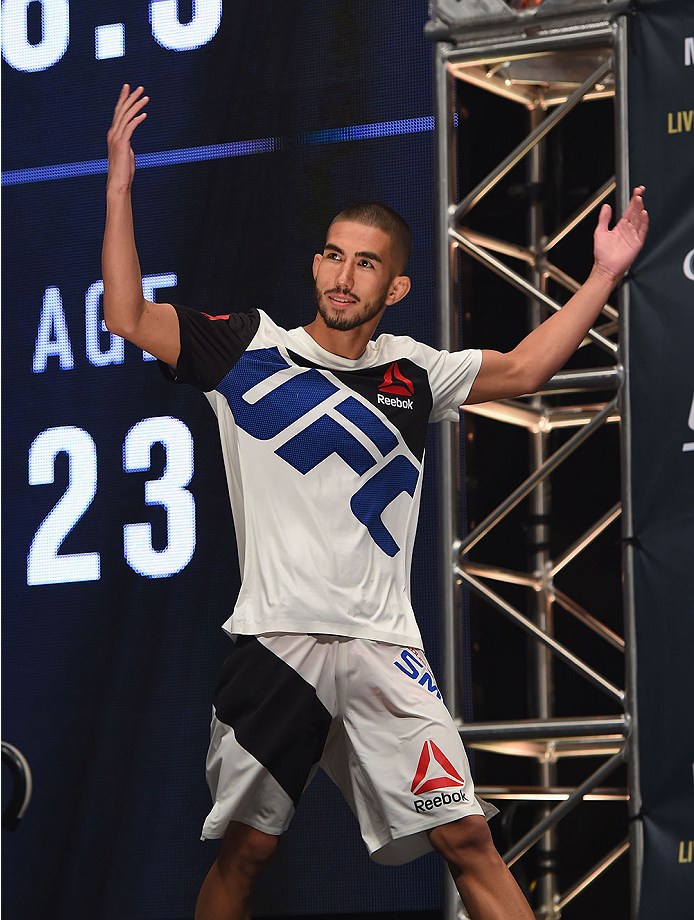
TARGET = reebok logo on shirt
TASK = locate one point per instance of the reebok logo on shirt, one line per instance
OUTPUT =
(395, 383)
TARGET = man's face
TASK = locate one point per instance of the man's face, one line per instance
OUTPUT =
(354, 275)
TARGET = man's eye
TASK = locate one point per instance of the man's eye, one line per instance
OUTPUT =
(365, 263)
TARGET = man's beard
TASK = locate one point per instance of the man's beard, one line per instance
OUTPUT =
(344, 321)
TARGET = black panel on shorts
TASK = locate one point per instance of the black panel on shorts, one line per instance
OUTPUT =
(275, 713)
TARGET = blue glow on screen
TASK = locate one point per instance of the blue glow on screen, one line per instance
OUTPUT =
(400, 126)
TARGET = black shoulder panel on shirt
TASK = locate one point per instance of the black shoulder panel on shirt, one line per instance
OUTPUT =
(210, 345)
(399, 389)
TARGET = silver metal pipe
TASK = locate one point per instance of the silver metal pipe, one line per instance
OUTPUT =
(607, 328)
(540, 504)
(497, 245)
(586, 539)
(573, 416)
(636, 850)
(524, 488)
(556, 98)
(515, 47)
(545, 126)
(533, 835)
(495, 573)
(545, 729)
(479, 76)
(449, 458)
(519, 282)
(552, 794)
(537, 418)
(603, 378)
(588, 620)
(509, 411)
(589, 205)
(521, 620)
(593, 873)
(448, 453)
(561, 277)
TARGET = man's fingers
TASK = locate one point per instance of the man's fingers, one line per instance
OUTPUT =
(132, 103)
(604, 217)
(130, 110)
(636, 201)
(636, 215)
(125, 89)
(125, 104)
(130, 127)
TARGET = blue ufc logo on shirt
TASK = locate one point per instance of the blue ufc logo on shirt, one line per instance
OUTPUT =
(280, 407)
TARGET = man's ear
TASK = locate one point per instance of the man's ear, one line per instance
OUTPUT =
(399, 287)
(317, 259)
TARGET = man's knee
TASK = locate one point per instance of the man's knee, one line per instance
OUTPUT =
(464, 841)
(245, 851)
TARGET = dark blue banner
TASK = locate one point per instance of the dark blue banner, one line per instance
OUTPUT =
(661, 122)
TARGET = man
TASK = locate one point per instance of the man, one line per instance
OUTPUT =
(322, 433)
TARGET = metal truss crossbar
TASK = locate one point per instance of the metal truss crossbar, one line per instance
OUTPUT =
(522, 284)
(514, 614)
(597, 198)
(545, 126)
(541, 473)
(593, 873)
(588, 620)
(545, 729)
(537, 832)
(586, 539)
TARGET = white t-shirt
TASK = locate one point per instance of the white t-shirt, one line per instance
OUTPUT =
(324, 458)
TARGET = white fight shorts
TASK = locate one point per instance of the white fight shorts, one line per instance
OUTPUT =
(368, 712)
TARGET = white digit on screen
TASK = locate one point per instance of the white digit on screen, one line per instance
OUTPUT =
(171, 33)
(55, 28)
(44, 565)
(169, 491)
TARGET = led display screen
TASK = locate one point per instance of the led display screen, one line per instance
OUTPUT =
(119, 556)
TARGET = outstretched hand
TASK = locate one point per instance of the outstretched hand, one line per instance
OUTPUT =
(616, 249)
(127, 116)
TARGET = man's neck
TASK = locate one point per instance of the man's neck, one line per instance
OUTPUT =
(349, 343)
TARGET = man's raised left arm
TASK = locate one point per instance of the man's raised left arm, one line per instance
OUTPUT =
(546, 349)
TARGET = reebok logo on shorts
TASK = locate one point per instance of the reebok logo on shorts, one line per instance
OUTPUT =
(435, 771)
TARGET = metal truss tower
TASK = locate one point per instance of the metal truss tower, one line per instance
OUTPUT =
(548, 58)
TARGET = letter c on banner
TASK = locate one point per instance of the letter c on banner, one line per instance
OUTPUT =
(688, 265)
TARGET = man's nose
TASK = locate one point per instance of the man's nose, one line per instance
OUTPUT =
(345, 276)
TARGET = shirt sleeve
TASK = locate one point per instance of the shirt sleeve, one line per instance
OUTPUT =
(451, 375)
(210, 346)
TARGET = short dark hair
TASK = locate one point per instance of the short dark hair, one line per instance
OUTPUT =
(375, 214)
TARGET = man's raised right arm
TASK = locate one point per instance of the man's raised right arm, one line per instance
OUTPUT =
(148, 325)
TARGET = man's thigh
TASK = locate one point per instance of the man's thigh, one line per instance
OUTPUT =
(269, 728)
(401, 763)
